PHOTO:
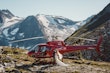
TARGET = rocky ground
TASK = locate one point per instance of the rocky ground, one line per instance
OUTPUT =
(16, 61)
(74, 67)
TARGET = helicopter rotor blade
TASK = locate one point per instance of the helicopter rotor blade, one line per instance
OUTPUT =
(25, 39)
(83, 38)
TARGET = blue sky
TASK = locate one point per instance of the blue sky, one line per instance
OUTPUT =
(73, 9)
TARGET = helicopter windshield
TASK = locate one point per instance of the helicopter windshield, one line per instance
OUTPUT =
(35, 48)
(43, 49)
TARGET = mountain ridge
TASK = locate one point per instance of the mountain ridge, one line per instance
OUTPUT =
(97, 26)
(17, 28)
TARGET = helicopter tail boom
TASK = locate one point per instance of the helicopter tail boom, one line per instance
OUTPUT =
(83, 47)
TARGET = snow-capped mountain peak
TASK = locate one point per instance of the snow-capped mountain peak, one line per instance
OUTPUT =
(6, 13)
(43, 20)
(56, 26)
(7, 18)
(8, 22)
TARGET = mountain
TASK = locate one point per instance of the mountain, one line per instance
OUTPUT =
(28, 28)
(17, 28)
(5, 14)
(7, 19)
(56, 26)
(93, 23)
(99, 24)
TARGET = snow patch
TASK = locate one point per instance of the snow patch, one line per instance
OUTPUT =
(10, 44)
(12, 38)
(8, 22)
(14, 31)
(21, 34)
(51, 19)
(43, 20)
(60, 21)
(5, 32)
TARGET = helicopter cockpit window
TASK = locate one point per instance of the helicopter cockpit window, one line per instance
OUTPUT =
(43, 49)
(36, 49)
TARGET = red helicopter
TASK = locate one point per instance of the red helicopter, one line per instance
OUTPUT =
(46, 50)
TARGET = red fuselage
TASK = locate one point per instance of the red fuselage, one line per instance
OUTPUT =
(47, 50)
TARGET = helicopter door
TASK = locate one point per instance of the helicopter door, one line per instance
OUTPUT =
(43, 51)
